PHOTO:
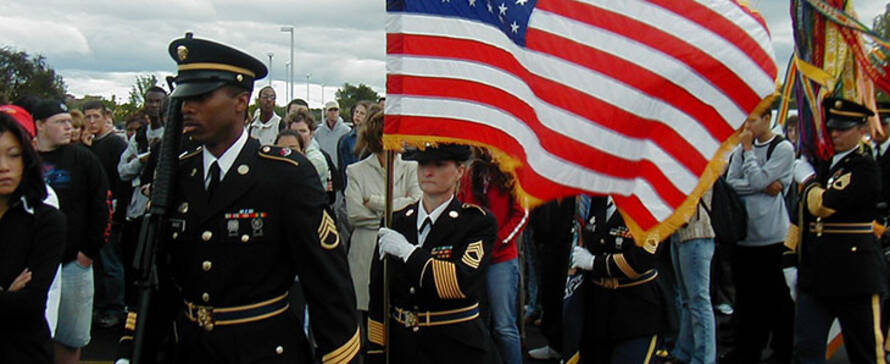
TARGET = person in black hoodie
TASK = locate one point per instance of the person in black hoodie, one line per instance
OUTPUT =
(76, 175)
(31, 250)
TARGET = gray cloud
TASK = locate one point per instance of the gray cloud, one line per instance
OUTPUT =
(99, 46)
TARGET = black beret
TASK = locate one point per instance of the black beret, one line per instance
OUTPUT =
(441, 152)
(844, 114)
(47, 108)
(205, 66)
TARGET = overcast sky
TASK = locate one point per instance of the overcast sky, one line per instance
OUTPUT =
(99, 46)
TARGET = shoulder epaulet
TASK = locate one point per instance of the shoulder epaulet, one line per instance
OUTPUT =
(282, 154)
(469, 206)
(187, 154)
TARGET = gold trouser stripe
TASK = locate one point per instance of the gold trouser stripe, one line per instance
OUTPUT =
(625, 267)
(651, 349)
(575, 358)
(879, 336)
(375, 332)
(344, 353)
(215, 67)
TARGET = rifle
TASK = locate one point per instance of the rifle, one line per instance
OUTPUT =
(154, 223)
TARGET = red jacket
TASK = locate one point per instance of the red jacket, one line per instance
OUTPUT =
(510, 215)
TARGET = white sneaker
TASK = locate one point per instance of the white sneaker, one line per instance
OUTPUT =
(544, 353)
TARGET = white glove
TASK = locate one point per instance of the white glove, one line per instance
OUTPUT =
(791, 280)
(122, 361)
(802, 170)
(393, 243)
(581, 258)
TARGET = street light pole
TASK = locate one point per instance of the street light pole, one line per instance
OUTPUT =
(286, 91)
(270, 67)
(308, 75)
(322, 94)
(290, 75)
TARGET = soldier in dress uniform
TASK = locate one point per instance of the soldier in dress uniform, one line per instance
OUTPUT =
(437, 252)
(248, 219)
(623, 302)
(882, 156)
(840, 270)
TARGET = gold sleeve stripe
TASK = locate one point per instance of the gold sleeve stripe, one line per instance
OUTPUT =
(423, 271)
(344, 353)
(125, 338)
(283, 159)
(792, 238)
(814, 203)
(445, 276)
(375, 333)
(473, 255)
(622, 264)
(131, 321)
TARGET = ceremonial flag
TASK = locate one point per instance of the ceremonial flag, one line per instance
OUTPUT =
(635, 99)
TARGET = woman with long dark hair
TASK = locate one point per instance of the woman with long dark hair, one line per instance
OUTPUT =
(31, 249)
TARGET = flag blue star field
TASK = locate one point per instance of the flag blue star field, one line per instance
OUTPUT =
(635, 99)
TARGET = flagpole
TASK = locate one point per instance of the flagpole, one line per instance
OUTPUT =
(387, 221)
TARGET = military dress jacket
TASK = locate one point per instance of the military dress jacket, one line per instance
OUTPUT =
(446, 273)
(883, 161)
(622, 296)
(839, 254)
(265, 224)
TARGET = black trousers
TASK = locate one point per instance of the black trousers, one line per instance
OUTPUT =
(859, 317)
(553, 260)
(763, 303)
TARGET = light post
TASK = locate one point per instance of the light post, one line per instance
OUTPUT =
(322, 94)
(308, 76)
(287, 92)
(290, 74)
(270, 54)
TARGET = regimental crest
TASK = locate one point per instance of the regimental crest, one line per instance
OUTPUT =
(327, 232)
(473, 255)
(182, 52)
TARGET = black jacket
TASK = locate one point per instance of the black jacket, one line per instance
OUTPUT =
(34, 238)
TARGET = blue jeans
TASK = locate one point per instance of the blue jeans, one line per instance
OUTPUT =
(503, 282)
(109, 275)
(696, 341)
(75, 306)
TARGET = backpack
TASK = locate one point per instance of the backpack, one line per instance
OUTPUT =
(729, 218)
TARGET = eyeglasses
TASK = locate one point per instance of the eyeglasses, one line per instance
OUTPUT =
(267, 97)
(333, 109)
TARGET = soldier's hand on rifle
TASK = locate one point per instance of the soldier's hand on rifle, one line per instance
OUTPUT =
(581, 258)
(393, 243)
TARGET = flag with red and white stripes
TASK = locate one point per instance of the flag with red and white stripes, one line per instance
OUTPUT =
(635, 99)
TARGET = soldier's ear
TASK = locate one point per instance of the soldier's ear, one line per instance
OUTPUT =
(242, 102)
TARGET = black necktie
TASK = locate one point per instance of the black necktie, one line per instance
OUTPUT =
(214, 180)
(426, 223)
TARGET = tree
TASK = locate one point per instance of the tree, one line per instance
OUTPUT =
(349, 95)
(881, 25)
(21, 74)
(143, 83)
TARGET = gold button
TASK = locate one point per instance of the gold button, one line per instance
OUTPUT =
(245, 238)
(175, 235)
(206, 236)
(853, 249)
(411, 290)
(207, 265)
(279, 350)
(205, 297)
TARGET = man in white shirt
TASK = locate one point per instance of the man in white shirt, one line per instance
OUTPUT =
(265, 125)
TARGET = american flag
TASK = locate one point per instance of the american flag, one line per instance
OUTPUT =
(635, 99)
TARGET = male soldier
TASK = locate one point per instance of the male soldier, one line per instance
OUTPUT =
(623, 304)
(841, 271)
(239, 233)
(438, 250)
(882, 156)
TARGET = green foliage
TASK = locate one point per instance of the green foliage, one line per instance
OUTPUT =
(21, 74)
(349, 95)
(881, 26)
(143, 83)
